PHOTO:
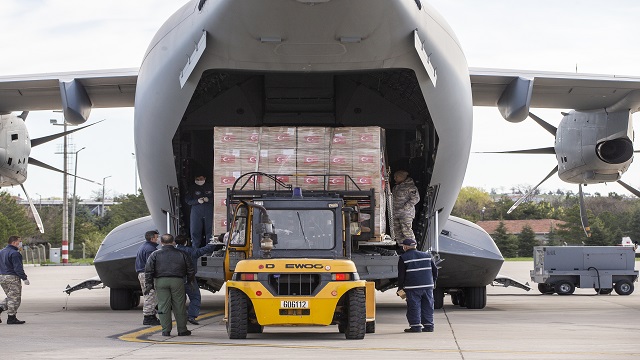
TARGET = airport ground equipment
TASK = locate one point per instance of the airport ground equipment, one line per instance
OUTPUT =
(560, 269)
(288, 261)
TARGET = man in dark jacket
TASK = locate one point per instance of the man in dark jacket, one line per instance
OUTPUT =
(150, 300)
(165, 272)
(417, 274)
(192, 289)
(11, 272)
(200, 198)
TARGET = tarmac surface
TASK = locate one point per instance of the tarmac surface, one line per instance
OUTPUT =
(515, 324)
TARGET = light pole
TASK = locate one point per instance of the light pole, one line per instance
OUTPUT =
(73, 206)
(103, 184)
(65, 195)
(483, 210)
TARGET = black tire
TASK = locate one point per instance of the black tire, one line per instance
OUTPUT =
(624, 287)
(454, 298)
(254, 328)
(545, 289)
(370, 327)
(356, 315)
(564, 288)
(135, 301)
(476, 297)
(438, 298)
(462, 301)
(121, 299)
(604, 291)
(237, 323)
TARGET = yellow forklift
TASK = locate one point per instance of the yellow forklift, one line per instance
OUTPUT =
(287, 261)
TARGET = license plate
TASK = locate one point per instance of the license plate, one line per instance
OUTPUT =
(291, 304)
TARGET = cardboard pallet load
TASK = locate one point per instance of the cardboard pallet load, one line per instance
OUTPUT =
(306, 152)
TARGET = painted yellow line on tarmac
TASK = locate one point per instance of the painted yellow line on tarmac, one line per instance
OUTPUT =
(136, 337)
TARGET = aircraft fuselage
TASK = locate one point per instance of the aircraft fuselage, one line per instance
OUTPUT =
(247, 71)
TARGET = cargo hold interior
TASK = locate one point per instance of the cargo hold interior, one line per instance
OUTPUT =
(390, 99)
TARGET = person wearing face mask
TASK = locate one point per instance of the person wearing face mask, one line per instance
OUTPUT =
(11, 272)
(200, 198)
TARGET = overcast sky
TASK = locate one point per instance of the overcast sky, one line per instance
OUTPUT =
(71, 35)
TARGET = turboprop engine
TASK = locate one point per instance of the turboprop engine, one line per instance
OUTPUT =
(594, 147)
(591, 147)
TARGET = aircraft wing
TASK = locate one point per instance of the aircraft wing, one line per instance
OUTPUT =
(116, 88)
(105, 88)
(501, 87)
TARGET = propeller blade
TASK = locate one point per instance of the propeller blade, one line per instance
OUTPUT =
(550, 128)
(547, 150)
(45, 139)
(629, 188)
(34, 211)
(39, 163)
(515, 205)
(583, 214)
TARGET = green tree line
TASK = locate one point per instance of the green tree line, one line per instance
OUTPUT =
(90, 229)
(610, 217)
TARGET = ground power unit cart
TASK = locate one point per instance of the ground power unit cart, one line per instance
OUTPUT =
(560, 269)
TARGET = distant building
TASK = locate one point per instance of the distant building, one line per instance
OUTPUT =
(540, 227)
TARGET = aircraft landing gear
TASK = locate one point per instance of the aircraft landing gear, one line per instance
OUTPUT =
(123, 299)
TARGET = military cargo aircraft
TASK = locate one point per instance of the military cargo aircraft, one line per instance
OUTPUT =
(330, 63)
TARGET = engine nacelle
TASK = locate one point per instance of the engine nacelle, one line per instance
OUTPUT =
(15, 147)
(594, 146)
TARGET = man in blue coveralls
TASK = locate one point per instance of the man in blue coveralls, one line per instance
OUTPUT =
(200, 198)
(417, 274)
(192, 289)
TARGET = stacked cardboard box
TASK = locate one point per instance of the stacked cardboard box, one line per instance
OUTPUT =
(306, 152)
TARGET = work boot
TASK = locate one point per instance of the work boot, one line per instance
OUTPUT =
(12, 320)
(193, 321)
(427, 328)
(150, 320)
(413, 329)
(184, 333)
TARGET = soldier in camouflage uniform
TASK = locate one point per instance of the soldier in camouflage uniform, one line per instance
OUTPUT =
(405, 198)
(11, 272)
(150, 299)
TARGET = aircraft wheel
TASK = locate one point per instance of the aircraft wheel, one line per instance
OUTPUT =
(121, 299)
(135, 300)
(438, 298)
(462, 301)
(564, 288)
(454, 298)
(237, 323)
(545, 289)
(476, 297)
(356, 315)
(624, 287)
(371, 327)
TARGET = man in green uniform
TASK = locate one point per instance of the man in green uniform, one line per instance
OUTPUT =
(165, 272)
